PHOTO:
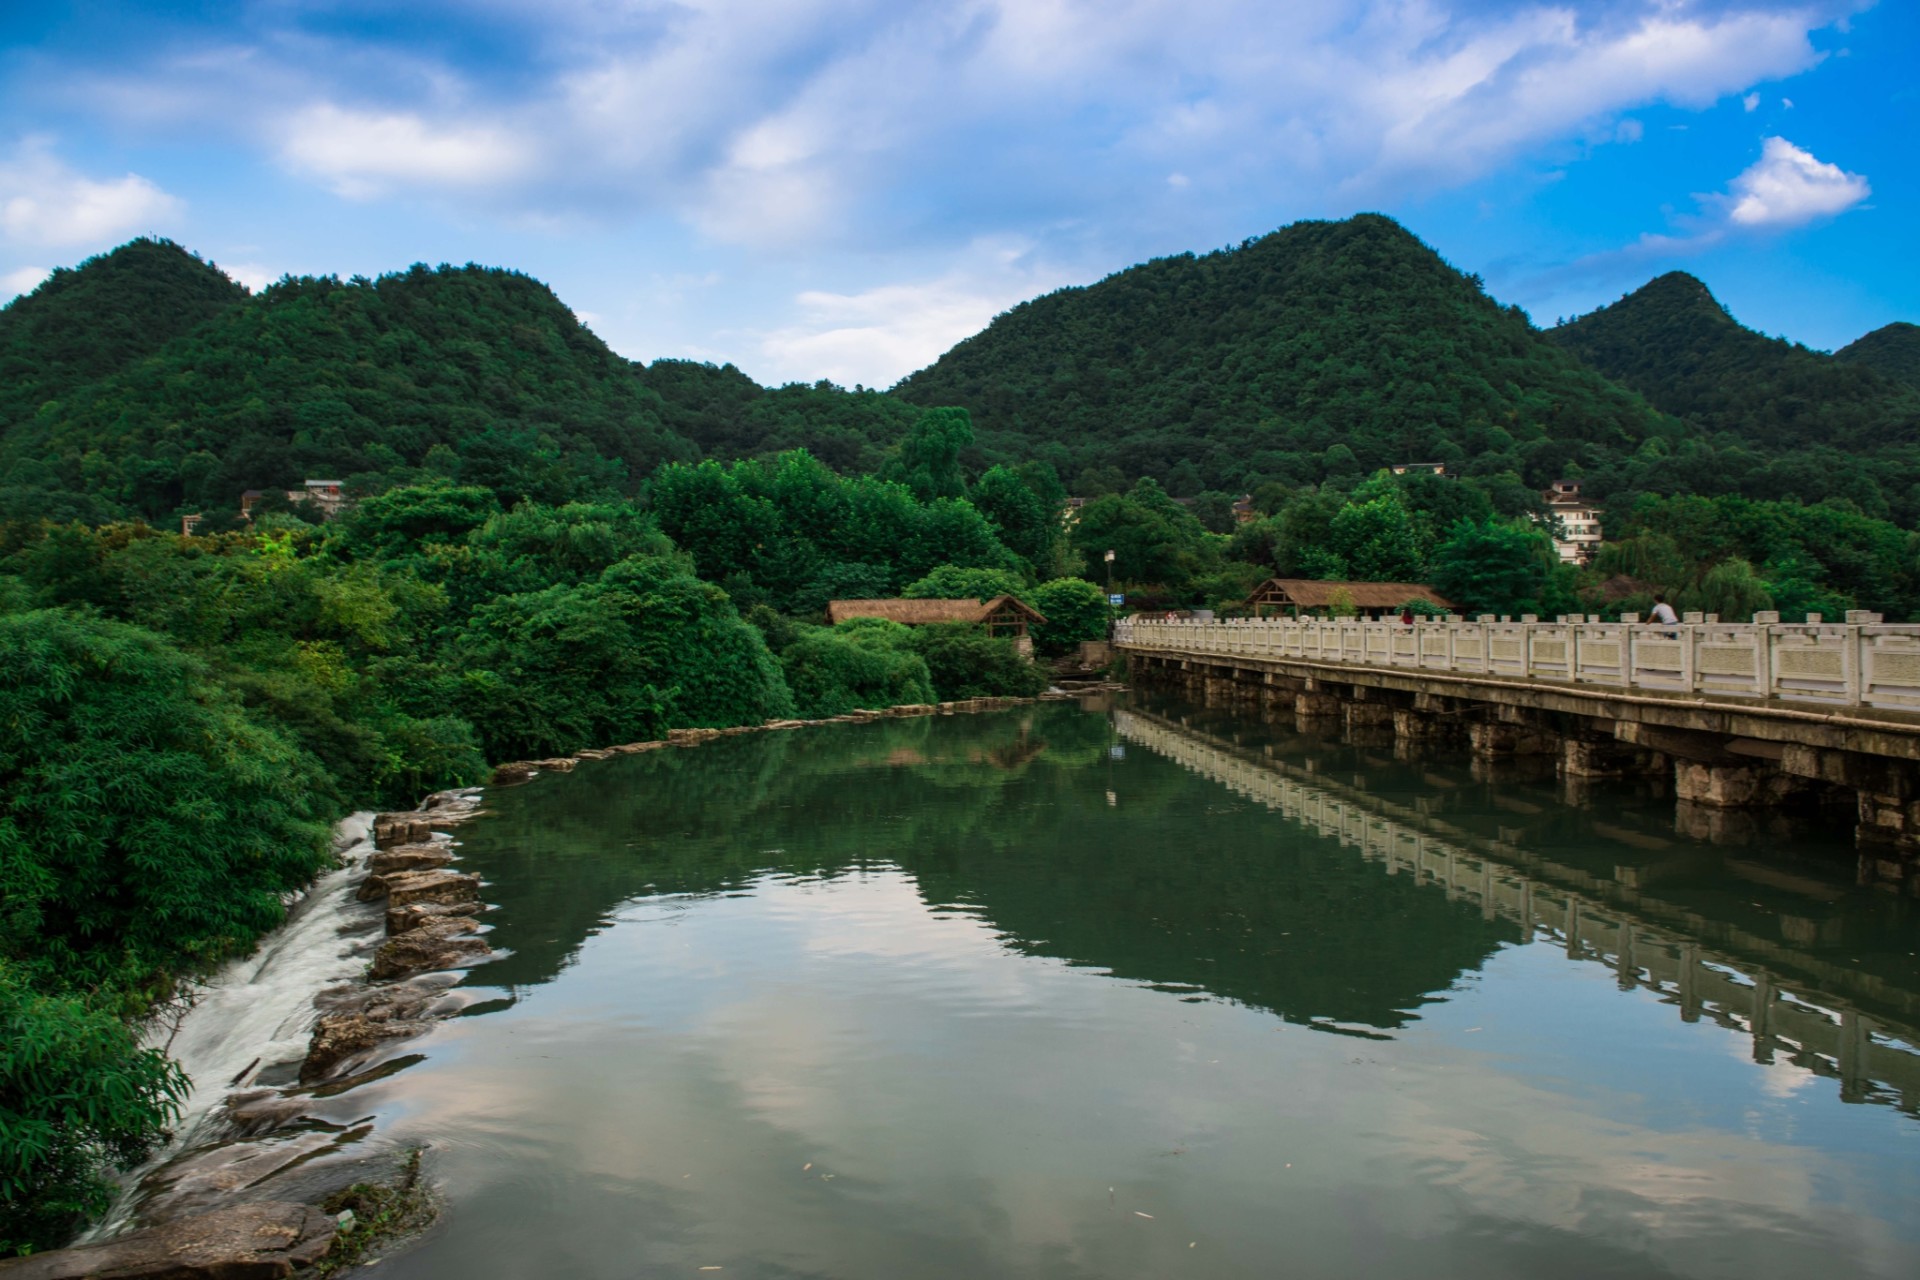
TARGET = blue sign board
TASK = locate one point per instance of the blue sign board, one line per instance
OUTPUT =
(1116, 599)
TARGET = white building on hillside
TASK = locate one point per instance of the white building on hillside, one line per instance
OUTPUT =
(1578, 535)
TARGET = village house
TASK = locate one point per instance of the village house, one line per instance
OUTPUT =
(1295, 596)
(1002, 616)
(329, 496)
(1578, 534)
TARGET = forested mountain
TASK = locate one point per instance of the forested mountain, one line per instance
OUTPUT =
(476, 375)
(86, 322)
(1673, 342)
(1892, 350)
(729, 415)
(1324, 348)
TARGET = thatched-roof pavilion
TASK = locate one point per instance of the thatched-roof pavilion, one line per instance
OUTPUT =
(1372, 599)
(1002, 615)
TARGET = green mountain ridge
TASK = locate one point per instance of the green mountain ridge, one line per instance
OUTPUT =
(1254, 362)
(1673, 342)
(84, 323)
(145, 384)
(476, 374)
(1892, 350)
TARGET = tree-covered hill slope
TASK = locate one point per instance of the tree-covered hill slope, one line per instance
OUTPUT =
(86, 322)
(729, 415)
(1323, 347)
(1673, 342)
(1892, 350)
(476, 374)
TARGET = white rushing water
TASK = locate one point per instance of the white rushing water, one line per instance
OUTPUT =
(258, 1010)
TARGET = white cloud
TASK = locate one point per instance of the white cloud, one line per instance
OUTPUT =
(1751, 102)
(23, 280)
(251, 274)
(876, 336)
(776, 123)
(1788, 187)
(44, 202)
(365, 154)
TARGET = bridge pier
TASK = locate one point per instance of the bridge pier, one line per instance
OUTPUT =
(1492, 738)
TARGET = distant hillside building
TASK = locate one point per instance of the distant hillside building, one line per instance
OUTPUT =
(1419, 468)
(328, 495)
(1371, 599)
(1579, 533)
(1001, 616)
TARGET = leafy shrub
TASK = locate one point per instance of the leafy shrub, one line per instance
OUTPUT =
(1076, 610)
(642, 648)
(965, 662)
(77, 1096)
(147, 821)
(832, 670)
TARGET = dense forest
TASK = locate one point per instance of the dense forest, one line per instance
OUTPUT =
(547, 547)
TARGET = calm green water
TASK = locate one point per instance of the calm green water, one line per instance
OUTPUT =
(1147, 991)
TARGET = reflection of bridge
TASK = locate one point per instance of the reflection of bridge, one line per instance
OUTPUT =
(1742, 715)
(1821, 1031)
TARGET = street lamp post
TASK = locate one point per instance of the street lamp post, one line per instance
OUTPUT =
(1109, 559)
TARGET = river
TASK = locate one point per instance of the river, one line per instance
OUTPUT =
(1143, 990)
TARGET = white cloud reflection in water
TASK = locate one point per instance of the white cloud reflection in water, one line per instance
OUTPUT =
(965, 1109)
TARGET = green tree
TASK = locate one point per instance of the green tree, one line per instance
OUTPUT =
(954, 582)
(1731, 590)
(1378, 541)
(1496, 567)
(1075, 610)
(929, 457)
(139, 803)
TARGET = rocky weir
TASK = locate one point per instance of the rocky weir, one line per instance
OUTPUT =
(275, 1045)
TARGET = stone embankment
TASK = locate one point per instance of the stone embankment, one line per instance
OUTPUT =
(432, 928)
(518, 771)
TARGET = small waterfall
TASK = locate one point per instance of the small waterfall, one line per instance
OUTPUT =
(257, 1011)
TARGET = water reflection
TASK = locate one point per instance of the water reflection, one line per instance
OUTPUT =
(1803, 1012)
(1133, 888)
(1041, 994)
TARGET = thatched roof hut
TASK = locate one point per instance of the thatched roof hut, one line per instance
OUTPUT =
(1371, 598)
(1002, 615)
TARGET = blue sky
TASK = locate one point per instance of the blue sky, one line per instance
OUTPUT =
(844, 188)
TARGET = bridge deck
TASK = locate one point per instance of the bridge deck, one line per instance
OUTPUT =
(1848, 687)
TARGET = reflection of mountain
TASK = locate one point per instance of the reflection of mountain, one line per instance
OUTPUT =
(1705, 968)
(1008, 817)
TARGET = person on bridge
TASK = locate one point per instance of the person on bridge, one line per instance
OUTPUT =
(1406, 615)
(1662, 611)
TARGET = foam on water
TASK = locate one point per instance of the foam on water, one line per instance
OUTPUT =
(258, 1010)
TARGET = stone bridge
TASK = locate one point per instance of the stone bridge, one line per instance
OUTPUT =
(1739, 715)
(1794, 1004)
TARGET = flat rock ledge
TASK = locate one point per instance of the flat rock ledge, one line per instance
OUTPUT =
(515, 772)
(241, 1242)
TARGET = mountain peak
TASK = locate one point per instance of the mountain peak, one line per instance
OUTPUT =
(1217, 370)
(1892, 350)
(86, 322)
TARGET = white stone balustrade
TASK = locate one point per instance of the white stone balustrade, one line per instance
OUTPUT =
(1860, 662)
